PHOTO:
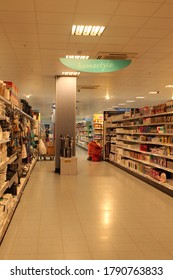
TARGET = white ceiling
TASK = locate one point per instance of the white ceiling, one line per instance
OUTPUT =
(34, 34)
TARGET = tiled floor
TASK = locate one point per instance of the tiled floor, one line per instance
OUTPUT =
(102, 213)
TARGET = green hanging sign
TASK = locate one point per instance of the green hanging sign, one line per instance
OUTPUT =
(95, 65)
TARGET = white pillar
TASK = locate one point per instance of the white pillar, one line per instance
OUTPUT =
(65, 116)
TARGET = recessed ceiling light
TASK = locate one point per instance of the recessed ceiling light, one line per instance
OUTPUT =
(28, 95)
(154, 92)
(169, 86)
(107, 96)
(140, 97)
(87, 30)
(122, 104)
(70, 73)
(77, 56)
(115, 106)
(130, 101)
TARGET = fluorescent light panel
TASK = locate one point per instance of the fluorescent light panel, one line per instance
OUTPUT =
(87, 30)
(153, 92)
(140, 97)
(130, 101)
(77, 56)
(70, 73)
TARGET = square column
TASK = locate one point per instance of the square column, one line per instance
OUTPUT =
(65, 116)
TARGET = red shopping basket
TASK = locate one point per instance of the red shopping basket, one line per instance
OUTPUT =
(94, 151)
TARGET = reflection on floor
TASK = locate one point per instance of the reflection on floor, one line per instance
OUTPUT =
(102, 213)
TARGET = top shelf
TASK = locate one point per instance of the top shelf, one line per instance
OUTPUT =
(15, 107)
(143, 117)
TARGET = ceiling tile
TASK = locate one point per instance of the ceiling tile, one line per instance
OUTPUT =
(119, 31)
(135, 49)
(52, 46)
(127, 21)
(19, 28)
(54, 6)
(17, 17)
(159, 23)
(143, 41)
(162, 47)
(54, 18)
(137, 8)
(165, 11)
(152, 33)
(96, 7)
(1, 29)
(114, 40)
(22, 37)
(81, 47)
(54, 29)
(19, 5)
(24, 45)
(24, 51)
(91, 19)
(3, 37)
(84, 39)
(52, 38)
(109, 48)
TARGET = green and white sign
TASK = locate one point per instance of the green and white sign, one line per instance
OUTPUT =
(95, 65)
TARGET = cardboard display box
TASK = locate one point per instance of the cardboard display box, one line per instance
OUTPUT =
(68, 166)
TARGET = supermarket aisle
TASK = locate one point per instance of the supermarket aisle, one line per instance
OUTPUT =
(102, 213)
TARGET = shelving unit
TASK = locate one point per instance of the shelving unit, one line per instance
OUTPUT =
(142, 145)
(12, 183)
(98, 128)
(84, 133)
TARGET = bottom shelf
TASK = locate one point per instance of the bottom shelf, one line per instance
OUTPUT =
(164, 187)
(81, 146)
(16, 200)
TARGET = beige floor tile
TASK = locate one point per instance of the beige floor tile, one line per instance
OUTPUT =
(56, 256)
(24, 256)
(75, 245)
(78, 256)
(97, 255)
(157, 255)
(102, 213)
(150, 246)
(50, 244)
(131, 255)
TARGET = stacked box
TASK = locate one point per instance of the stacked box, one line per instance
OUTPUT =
(13, 92)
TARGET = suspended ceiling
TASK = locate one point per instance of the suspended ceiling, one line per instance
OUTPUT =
(34, 34)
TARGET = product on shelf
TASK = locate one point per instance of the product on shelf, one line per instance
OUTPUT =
(143, 143)
(16, 131)
(67, 147)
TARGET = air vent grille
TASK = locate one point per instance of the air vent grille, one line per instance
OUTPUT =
(116, 56)
(80, 87)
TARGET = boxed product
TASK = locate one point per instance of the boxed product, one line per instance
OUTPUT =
(170, 164)
(68, 166)
(13, 92)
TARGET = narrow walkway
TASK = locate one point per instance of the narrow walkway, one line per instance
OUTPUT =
(102, 213)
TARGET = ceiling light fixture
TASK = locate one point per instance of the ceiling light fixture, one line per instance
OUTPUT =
(70, 73)
(122, 104)
(140, 97)
(28, 95)
(154, 92)
(107, 96)
(77, 56)
(87, 30)
(169, 86)
(130, 101)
